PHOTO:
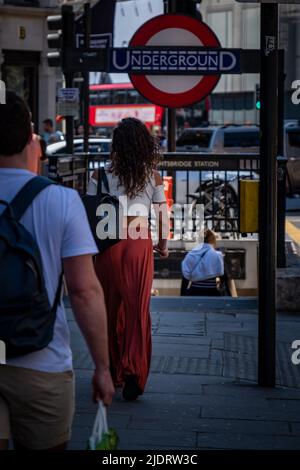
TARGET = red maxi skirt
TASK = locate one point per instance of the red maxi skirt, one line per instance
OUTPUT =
(125, 271)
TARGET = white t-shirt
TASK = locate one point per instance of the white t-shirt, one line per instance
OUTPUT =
(138, 205)
(58, 222)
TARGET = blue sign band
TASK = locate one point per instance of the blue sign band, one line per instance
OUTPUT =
(171, 61)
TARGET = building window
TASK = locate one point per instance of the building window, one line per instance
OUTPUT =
(251, 28)
(250, 40)
(232, 101)
(20, 73)
(221, 23)
(23, 3)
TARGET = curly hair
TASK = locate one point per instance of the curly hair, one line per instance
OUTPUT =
(134, 155)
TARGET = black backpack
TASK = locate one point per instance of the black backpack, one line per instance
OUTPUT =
(26, 317)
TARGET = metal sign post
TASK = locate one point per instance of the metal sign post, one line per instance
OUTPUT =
(170, 7)
(86, 82)
(281, 167)
(268, 195)
(68, 43)
(69, 119)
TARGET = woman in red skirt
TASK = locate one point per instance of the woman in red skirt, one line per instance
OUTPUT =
(125, 270)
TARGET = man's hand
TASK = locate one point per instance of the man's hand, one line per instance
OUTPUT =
(103, 388)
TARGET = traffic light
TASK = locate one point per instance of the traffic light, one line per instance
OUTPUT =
(63, 39)
(188, 7)
(257, 97)
(54, 40)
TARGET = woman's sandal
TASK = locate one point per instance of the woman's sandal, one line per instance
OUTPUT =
(131, 390)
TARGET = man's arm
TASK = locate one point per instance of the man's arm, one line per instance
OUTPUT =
(87, 300)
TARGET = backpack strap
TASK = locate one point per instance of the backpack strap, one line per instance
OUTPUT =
(58, 293)
(102, 178)
(26, 195)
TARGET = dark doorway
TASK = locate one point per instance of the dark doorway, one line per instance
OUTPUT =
(20, 74)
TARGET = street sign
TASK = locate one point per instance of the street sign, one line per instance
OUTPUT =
(174, 61)
(90, 60)
(102, 15)
(68, 101)
(96, 40)
(68, 94)
(175, 30)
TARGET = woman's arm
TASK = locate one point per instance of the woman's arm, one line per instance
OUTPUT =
(161, 213)
(162, 216)
(232, 287)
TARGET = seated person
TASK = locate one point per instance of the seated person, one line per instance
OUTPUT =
(203, 270)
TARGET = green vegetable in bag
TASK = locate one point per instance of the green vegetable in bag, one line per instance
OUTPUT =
(102, 438)
(109, 441)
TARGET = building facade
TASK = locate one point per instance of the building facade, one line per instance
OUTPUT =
(238, 25)
(290, 42)
(23, 54)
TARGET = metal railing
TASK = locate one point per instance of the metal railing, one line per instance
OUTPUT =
(208, 179)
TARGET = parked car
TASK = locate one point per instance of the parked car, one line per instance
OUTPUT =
(242, 139)
(96, 145)
(214, 140)
(225, 139)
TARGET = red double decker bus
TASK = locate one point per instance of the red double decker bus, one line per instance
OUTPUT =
(109, 103)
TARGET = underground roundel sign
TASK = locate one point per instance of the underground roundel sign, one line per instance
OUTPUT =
(174, 91)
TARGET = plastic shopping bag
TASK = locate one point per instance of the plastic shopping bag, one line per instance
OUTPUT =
(102, 438)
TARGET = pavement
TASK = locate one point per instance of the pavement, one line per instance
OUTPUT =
(201, 392)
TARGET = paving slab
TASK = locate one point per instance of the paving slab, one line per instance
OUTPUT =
(255, 412)
(86, 420)
(185, 350)
(156, 437)
(182, 340)
(295, 429)
(236, 389)
(247, 441)
(217, 425)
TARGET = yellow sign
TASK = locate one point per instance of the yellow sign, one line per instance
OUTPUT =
(249, 196)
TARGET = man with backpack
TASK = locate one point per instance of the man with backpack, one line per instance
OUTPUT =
(43, 233)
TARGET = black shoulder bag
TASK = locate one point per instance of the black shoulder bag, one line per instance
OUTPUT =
(103, 214)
